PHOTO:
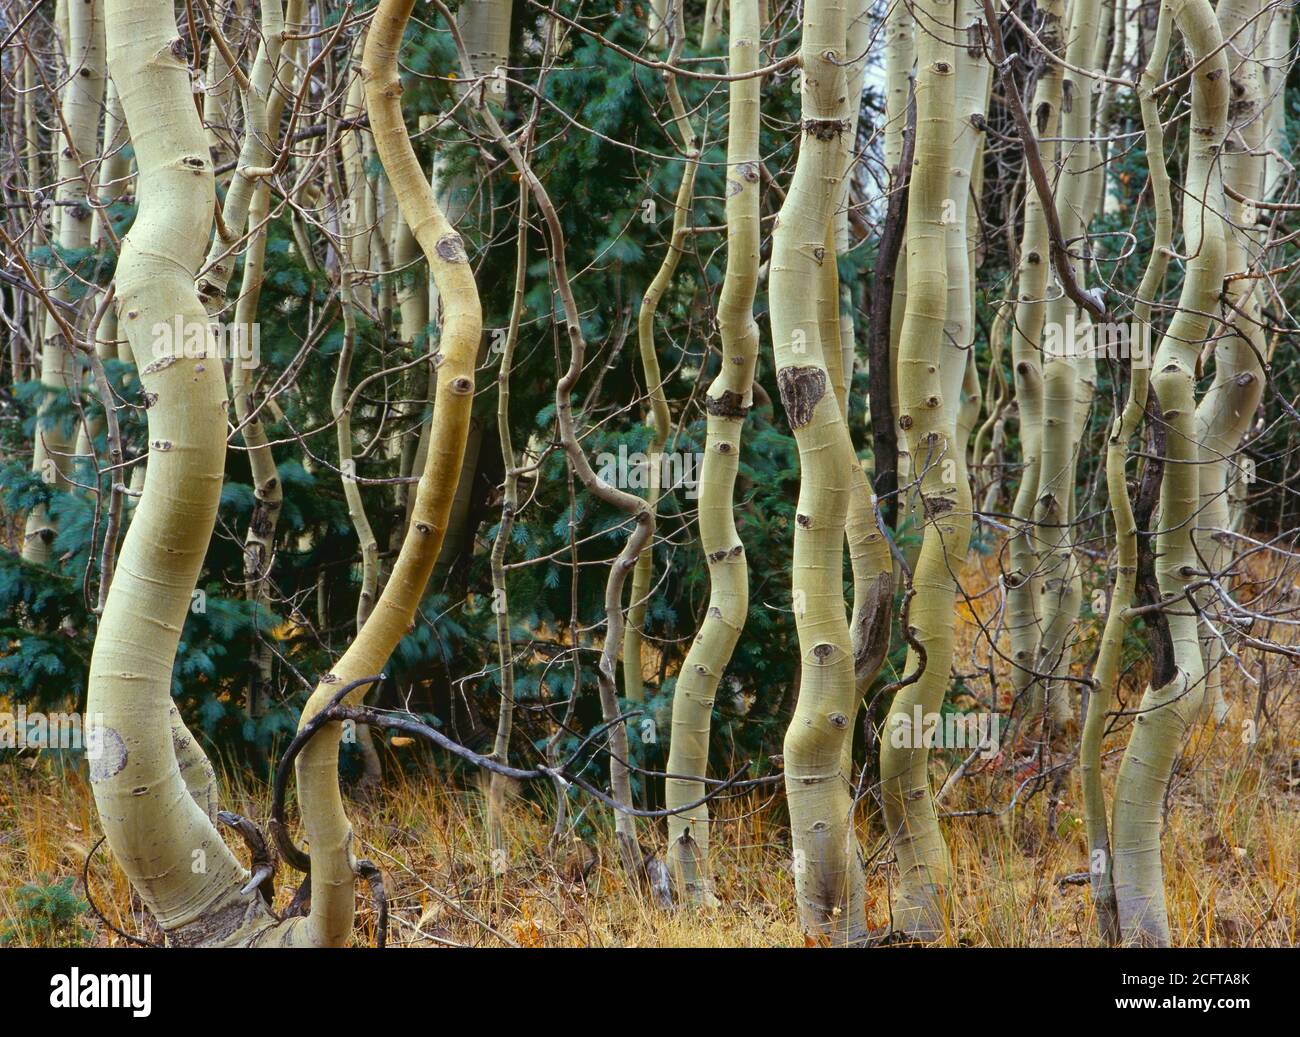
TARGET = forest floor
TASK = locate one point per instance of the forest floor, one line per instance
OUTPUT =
(1231, 845)
(1231, 850)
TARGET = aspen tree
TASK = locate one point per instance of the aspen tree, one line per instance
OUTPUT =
(263, 98)
(929, 373)
(152, 785)
(395, 611)
(484, 26)
(1024, 581)
(77, 142)
(247, 202)
(659, 419)
(1172, 699)
(354, 230)
(1228, 407)
(220, 94)
(727, 403)
(827, 863)
(972, 89)
(869, 555)
(713, 14)
(1123, 428)
(509, 506)
(1068, 377)
(112, 183)
(163, 838)
(857, 42)
(1275, 56)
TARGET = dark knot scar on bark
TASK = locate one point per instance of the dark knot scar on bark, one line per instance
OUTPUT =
(726, 405)
(937, 505)
(825, 129)
(450, 248)
(1041, 115)
(802, 388)
(871, 632)
(823, 651)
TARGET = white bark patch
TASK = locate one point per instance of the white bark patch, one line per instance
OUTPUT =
(107, 755)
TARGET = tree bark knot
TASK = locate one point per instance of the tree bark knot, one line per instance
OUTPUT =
(801, 390)
(726, 405)
(451, 249)
(825, 129)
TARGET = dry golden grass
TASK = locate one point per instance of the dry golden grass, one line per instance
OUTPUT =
(1231, 847)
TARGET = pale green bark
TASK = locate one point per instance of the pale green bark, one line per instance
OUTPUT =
(659, 418)
(727, 402)
(83, 49)
(162, 838)
(929, 375)
(1068, 378)
(1166, 711)
(1228, 407)
(1118, 622)
(827, 862)
(1024, 580)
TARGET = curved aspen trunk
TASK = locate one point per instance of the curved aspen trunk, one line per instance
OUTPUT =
(1068, 377)
(1228, 407)
(928, 401)
(1024, 581)
(642, 575)
(509, 506)
(485, 29)
(827, 862)
(156, 830)
(152, 786)
(394, 612)
(1171, 702)
(80, 104)
(869, 554)
(1118, 622)
(727, 403)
